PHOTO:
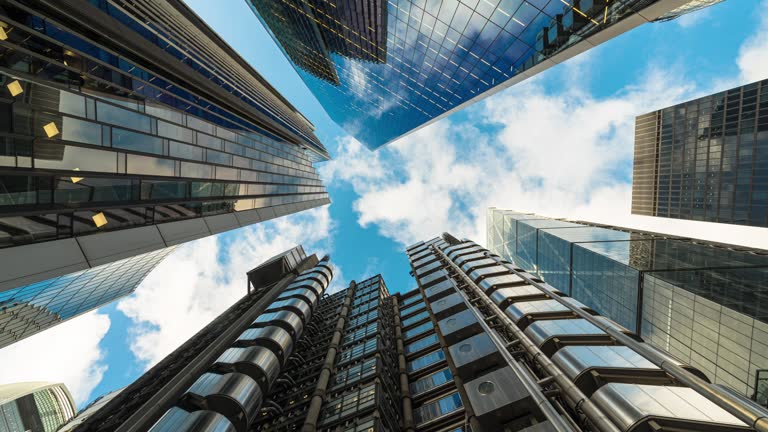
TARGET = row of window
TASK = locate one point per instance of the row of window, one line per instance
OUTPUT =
(362, 319)
(431, 381)
(349, 404)
(355, 373)
(416, 318)
(409, 310)
(361, 333)
(421, 344)
(426, 360)
(354, 352)
(438, 408)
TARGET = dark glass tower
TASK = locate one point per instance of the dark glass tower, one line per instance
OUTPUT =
(130, 126)
(705, 159)
(33, 308)
(705, 303)
(382, 69)
(478, 346)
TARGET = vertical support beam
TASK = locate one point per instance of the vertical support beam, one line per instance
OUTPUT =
(313, 413)
(405, 390)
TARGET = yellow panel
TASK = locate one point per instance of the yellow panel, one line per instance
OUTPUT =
(15, 88)
(51, 130)
(99, 219)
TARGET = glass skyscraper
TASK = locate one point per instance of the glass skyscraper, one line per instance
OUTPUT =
(127, 127)
(382, 69)
(33, 308)
(706, 303)
(477, 345)
(705, 159)
(34, 407)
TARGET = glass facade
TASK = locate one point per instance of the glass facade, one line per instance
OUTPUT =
(143, 118)
(35, 407)
(33, 308)
(705, 159)
(406, 63)
(657, 286)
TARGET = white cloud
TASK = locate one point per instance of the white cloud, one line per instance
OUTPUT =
(554, 149)
(68, 353)
(203, 278)
(753, 55)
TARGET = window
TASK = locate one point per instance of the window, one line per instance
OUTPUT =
(363, 319)
(416, 318)
(431, 381)
(134, 141)
(349, 404)
(355, 373)
(80, 131)
(411, 309)
(410, 300)
(419, 329)
(425, 360)
(218, 157)
(362, 333)
(432, 410)
(185, 151)
(357, 351)
(174, 132)
(421, 344)
(122, 117)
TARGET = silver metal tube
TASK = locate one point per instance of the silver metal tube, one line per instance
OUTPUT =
(752, 414)
(573, 394)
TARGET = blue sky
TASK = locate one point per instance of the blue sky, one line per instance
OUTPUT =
(559, 144)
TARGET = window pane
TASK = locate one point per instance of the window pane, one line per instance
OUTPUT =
(80, 131)
(149, 165)
(185, 151)
(134, 141)
(122, 117)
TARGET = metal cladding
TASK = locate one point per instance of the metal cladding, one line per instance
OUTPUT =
(523, 355)
(228, 397)
(177, 419)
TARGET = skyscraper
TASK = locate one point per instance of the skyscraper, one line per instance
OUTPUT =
(705, 303)
(705, 159)
(479, 345)
(34, 407)
(128, 127)
(33, 308)
(382, 69)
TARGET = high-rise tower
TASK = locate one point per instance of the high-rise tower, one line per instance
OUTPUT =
(382, 69)
(705, 159)
(130, 126)
(479, 345)
(706, 303)
(33, 308)
(35, 406)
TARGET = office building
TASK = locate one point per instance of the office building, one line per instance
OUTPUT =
(382, 69)
(33, 308)
(129, 127)
(34, 407)
(705, 159)
(705, 303)
(479, 345)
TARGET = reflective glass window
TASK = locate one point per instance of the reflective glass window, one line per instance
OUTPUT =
(149, 165)
(63, 157)
(156, 190)
(431, 381)
(419, 329)
(185, 151)
(94, 190)
(425, 360)
(134, 141)
(416, 318)
(122, 117)
(421, 343)
(193, 170)
(209, 141)
(432, 410)
(409, 310)
(70, 103)
(80, 131)
(17, 190)
(174, 132)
